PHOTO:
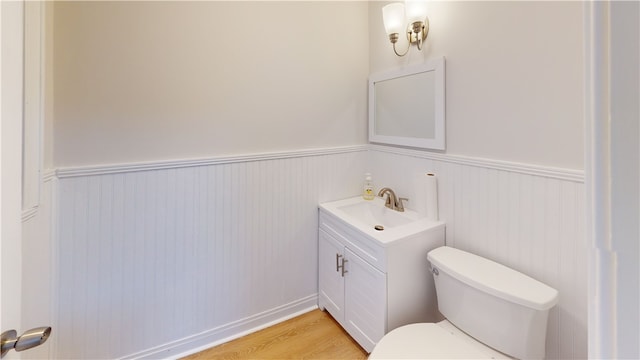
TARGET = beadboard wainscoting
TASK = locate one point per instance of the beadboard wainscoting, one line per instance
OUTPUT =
(530, 218)
(159, 259)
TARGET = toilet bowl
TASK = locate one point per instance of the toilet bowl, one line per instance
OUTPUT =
(490, 310)
(432, 341)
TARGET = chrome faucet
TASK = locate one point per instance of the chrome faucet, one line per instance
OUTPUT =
(393, 202)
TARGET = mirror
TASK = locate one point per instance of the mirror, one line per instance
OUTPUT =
(406, 107)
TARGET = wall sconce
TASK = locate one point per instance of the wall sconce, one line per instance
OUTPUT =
(410, 17)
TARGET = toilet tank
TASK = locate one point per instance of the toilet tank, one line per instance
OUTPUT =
(498, 306)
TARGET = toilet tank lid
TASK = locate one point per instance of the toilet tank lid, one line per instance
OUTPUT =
(493, 278)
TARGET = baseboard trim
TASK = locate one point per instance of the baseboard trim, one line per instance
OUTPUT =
(216, 336)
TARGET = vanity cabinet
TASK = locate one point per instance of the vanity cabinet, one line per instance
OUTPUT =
(371, 288)
(353, 291)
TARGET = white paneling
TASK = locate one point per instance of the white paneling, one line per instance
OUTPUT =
(154, 257)
(166, 259)
(528, 218)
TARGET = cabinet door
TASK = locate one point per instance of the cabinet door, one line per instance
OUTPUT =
(330, 276)
(365, 301)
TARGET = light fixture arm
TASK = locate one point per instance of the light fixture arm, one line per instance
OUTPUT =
(416, 34)
(394, 39)
(421, 31)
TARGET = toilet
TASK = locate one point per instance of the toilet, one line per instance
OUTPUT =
(490, 310)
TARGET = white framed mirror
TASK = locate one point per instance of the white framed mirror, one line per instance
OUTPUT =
(407, 106)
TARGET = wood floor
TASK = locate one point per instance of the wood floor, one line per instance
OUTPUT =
(314, 335)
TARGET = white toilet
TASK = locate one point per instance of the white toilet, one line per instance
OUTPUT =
(491, 312)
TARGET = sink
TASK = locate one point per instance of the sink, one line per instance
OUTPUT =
(372, 218)
(375, 213)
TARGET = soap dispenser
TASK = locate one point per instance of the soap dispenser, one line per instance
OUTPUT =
(367, 192)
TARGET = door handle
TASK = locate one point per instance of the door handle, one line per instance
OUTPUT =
(338, 257)
(34, 337)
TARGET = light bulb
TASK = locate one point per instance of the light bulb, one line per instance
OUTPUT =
(393, 17)
(416, 11)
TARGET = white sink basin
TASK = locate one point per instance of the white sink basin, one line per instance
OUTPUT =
(375, 213)
(377, 221)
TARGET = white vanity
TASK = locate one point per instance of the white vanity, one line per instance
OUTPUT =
(370, 280)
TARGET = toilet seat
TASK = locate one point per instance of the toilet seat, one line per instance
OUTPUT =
(432, 341)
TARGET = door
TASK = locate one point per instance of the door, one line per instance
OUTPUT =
(366, 301)
(330, 276)
(11, 28)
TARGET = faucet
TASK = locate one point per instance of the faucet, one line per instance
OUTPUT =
(393, 202)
